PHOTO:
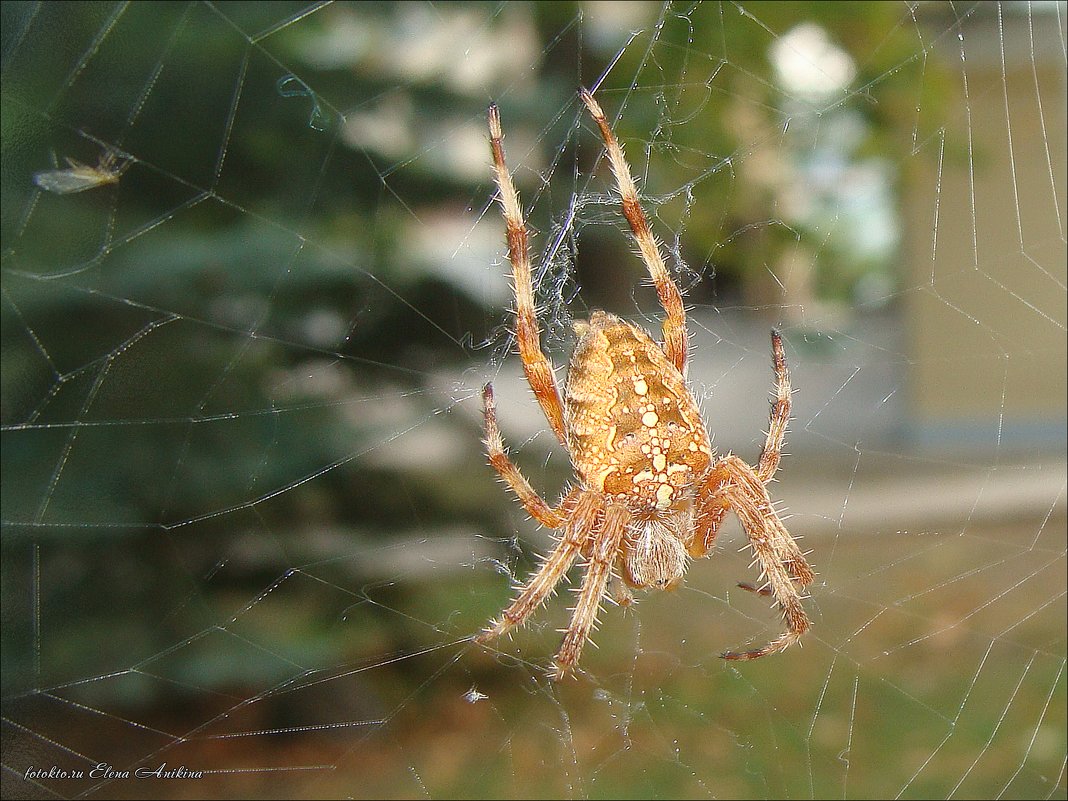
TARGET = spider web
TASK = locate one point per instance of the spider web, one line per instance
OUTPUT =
(248, 530)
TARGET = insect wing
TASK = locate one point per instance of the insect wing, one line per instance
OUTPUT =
(72, 180)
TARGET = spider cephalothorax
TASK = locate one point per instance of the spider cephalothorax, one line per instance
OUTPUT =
(651, 493)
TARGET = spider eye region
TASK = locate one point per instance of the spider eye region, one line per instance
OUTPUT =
(634, 430)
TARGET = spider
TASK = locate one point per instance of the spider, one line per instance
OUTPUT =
(651, 493)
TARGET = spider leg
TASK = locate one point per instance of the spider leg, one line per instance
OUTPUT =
(786, 546)
(780, 413)
(780, 558)
(511, 475)
(712, 507)
(605, 546)
(536, 364)
(621, 593)
(670, 297)
(544, 581)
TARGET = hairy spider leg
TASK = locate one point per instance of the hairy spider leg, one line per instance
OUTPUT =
(511, 475)
(674, 325)
(780, 558)
(780, 412)
(772, 452)
(536, 365)
(602, 555)
(587, 512)
(732, 485)
(713, 509)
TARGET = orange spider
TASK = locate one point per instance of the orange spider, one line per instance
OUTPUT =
(651, 494)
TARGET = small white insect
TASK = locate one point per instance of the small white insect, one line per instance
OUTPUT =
(79, 177)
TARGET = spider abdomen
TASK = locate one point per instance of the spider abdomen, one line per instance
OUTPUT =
(633, 428)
